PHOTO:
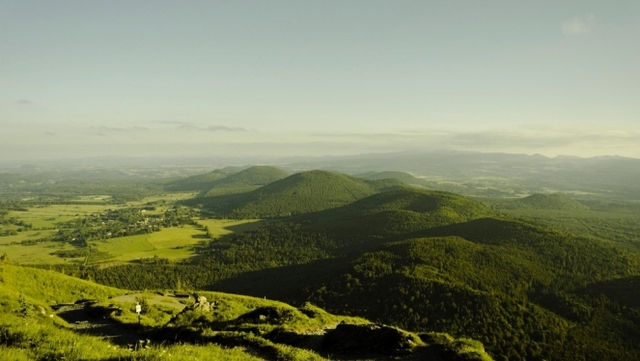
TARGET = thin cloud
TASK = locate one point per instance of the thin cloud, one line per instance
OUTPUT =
(115, 129)
(222, 128)
(368, 136)
(49, 133)
(175, 122)
(578, 25)
(24, 102)
(212, 128)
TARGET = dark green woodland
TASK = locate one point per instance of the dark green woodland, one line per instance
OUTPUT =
(543, 277)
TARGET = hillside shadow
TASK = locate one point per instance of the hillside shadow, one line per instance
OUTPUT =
(82, 321)
(624, 291)
(249, 226)
(282, 283)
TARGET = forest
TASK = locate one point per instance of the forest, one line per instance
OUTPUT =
(525, 277)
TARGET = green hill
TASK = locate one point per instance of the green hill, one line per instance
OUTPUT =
(245, 180)
(196, 183)
(102, 324)
(299, 193)
(435, 260)
(559, 202)
(398, 211)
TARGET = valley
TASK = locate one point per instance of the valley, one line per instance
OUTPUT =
(519, 275)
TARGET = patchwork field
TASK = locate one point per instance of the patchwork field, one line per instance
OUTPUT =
(39, 253)
(46, 217)
(25, 236)
(172, 243)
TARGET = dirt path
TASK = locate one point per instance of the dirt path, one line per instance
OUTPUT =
(81, 319)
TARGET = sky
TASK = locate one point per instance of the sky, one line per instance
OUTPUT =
(282, 78)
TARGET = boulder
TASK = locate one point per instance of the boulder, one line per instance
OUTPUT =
(202, 305)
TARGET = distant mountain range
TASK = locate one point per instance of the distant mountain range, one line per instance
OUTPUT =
(610, 178)
(606, 178)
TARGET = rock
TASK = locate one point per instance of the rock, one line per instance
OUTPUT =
(202, 305)
(348, 338)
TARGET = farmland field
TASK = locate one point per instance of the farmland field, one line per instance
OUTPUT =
(39, 253)
(47, 216)
(171, 243)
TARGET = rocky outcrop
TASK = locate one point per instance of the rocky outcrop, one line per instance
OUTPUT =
(346, 338)
(202, 305)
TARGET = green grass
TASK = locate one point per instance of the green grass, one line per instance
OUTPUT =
(41, 253)
(34, 336)
(25, 236)
(50, 287)
(173, 243)
(39, 339)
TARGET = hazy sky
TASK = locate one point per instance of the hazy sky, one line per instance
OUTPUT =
(169, 78)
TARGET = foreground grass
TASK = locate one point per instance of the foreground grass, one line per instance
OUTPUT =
(36, 338)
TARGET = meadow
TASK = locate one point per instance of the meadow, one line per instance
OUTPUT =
(172, 243)
(46, 217)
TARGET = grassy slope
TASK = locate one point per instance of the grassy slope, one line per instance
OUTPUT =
(27, 334)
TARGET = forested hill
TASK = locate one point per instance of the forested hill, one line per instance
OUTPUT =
(196, 183)
(299, 193)
(398, 211)
(246, 180)
(559, 202)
